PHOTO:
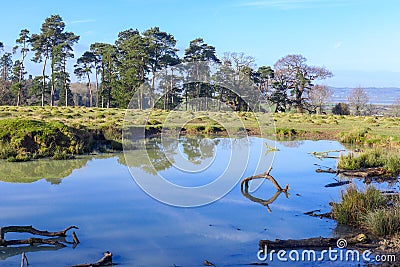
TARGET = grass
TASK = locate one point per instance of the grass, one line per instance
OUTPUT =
(368, 209)
(383, 222)
(373, 131)
(369, 159)
(355, 204)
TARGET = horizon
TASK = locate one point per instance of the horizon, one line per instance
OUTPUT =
(360, 48)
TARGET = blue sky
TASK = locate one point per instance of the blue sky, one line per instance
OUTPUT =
(358, 40)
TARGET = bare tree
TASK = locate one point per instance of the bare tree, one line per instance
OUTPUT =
(358, 100)
(395, 110)
(299, 77)
(319, 95)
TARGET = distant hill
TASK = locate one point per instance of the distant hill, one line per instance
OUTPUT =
(381, 96)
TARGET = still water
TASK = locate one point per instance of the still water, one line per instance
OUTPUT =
(99, 195)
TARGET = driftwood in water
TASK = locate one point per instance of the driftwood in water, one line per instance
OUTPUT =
(266, 175)
(32, 241)
(313, 213)
(31, 230)
(106, 260)
(326, 154)
(363, 173)
(357, 241)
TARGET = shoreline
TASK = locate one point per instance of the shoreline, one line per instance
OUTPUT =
(85, 130)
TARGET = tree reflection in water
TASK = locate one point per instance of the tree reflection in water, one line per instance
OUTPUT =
(161, 152)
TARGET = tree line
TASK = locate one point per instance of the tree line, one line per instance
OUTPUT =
(113, 73)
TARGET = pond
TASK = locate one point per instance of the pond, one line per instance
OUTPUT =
(99, 195)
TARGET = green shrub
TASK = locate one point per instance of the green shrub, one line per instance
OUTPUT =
(383, 222)
(341, 109)
(354, 137)
(7, 151)
(355, 204)
(370, 159)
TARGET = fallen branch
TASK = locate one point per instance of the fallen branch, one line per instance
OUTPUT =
(106, 260)
(30, 229)
(33, 241)
(357, 241)
(265, 175)
(362, 173)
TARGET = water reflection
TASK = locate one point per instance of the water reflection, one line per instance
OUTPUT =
(114, 214)
(53, 171)
(161, 154)
(7, 252)
(29, 172)
(264, 202)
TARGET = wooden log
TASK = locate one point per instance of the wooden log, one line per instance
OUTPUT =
(106, 260)
(356, 241)
(30, 229)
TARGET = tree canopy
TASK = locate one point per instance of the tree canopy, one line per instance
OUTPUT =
(114, 73)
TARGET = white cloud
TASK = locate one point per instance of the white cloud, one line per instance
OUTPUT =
(82, 21)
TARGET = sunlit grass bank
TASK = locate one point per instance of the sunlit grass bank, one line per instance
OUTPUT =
(86, 126)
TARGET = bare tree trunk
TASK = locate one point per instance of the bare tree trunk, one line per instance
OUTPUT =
(172, 85)
(97, 86)
(20, 81)
(44, 77)
(65, 80)
(90, 91)
(52, 90)
(166, 88)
